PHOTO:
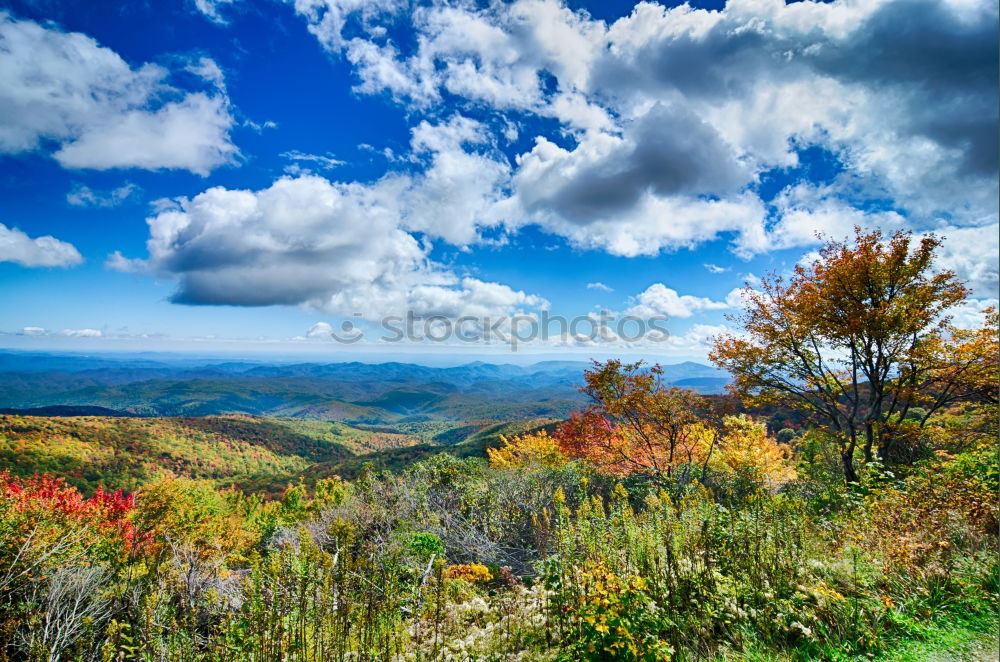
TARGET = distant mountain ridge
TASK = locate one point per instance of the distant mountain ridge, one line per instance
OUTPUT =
(353, 391)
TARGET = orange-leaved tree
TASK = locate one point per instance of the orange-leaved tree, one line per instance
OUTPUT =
(639, 424)
(857, 338)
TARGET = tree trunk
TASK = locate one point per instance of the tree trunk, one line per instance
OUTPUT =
(850, 475)
(869, 441)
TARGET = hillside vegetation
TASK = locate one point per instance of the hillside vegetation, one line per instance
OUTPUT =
(858, 521)
(128, 453)
(535, 556)
(474, 444)
(248, 452)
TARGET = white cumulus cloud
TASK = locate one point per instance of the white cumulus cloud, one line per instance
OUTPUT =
(334, 247)
(47, 251)
(668, 118)
(972, 253)
(658, 299)
(101, 113)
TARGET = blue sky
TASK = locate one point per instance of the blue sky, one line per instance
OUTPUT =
(241, 175)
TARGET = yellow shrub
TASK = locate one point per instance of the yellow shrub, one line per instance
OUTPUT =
(746, 446)
(534, 448)
(470, 572)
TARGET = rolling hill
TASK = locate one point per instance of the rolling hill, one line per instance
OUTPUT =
(229, 450)
(247, 452)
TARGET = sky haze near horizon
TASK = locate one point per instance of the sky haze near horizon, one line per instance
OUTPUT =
(237, 175)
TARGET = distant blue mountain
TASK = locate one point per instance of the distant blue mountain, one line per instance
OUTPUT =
(354, 390)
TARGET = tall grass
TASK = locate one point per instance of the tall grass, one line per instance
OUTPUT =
(454, 560)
